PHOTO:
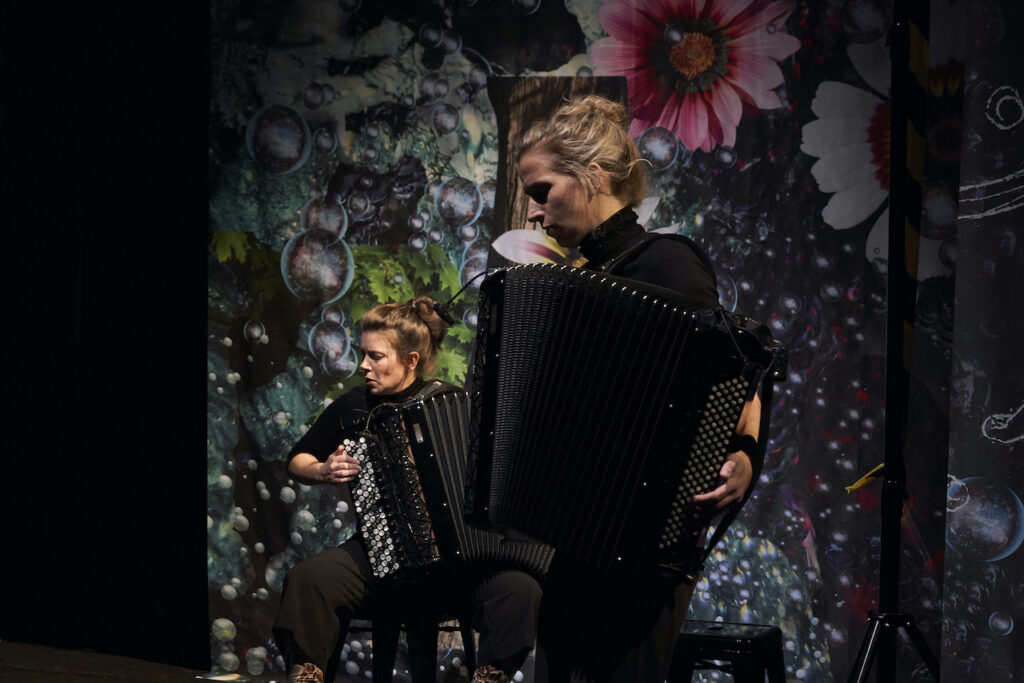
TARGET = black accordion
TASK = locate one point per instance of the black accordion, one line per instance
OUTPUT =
(409, 493)
(601, 406)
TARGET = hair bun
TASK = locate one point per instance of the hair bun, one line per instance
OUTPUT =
(424, 307)
(596, 105)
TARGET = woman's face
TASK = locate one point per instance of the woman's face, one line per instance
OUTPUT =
(383, 367)
(557, 200)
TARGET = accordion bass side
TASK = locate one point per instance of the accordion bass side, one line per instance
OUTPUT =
(409, 493)
(601, 407)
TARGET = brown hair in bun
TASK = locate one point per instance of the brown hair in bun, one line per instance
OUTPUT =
(413, 326)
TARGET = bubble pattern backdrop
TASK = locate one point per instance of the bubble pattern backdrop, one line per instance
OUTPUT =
(353, 160)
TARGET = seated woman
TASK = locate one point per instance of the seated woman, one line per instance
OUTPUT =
(582, 174)
(323, 592)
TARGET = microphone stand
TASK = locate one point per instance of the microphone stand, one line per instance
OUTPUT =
(888, 620)
(881, 644)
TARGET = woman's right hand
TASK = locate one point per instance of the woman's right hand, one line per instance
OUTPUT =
(339, 468)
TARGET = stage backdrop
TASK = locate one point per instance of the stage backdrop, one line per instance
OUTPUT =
(358, 155)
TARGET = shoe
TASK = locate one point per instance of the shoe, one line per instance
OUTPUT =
(489, 674)
(306, 673)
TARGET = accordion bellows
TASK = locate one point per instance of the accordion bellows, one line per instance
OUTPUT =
(601, 406)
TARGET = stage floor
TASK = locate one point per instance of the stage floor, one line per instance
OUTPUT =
(21, 663)
(24, 663)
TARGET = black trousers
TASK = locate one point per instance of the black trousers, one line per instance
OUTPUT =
(324, 592)
(605, 629)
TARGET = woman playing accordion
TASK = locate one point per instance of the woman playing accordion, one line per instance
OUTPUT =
(323, 592)
(582, 173)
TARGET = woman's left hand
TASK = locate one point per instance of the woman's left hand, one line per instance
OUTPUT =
(340, 468)
(736, 472)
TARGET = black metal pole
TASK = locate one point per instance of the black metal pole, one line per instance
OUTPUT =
(881, 643)
(896, 376)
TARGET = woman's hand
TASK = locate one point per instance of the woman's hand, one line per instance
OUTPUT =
(339, 468)
(736, 472)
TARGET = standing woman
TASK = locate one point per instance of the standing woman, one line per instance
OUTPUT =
(324, 591)
(581, 173)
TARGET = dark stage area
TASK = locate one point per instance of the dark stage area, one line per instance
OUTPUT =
(104, 524)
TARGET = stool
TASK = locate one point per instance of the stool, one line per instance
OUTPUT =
(747, 651)
(421, 630)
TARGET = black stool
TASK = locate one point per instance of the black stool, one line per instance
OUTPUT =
(747, 651)
(420, 619)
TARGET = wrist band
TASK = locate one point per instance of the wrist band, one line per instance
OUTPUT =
(743, 442)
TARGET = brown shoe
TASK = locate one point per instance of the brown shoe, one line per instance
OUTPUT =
(489, 674)
(306, 673)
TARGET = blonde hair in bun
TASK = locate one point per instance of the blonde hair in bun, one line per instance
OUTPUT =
(585, 130)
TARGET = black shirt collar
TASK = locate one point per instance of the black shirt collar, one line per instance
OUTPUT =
(376, 399)
(611, 237)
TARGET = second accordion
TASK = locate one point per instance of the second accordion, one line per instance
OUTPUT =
(601, 407)
(409, 492)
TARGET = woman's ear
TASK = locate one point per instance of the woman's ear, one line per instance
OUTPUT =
(412, 359)
(603, 181)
